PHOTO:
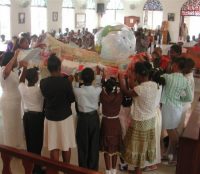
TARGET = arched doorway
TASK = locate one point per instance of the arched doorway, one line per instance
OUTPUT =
(190, 16)
(152, 14)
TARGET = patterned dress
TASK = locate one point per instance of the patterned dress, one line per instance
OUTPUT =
(140, 143)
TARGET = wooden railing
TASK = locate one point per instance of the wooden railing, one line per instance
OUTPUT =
(29, 159)
(188, 156)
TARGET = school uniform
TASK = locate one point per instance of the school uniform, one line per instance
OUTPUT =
(33, 118)
(87, 132)
(111, 141)
(59, 130)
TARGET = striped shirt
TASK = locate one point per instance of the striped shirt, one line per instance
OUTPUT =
(190, 78)
(177, 90)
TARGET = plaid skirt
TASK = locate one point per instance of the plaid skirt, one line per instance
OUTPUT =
(140, 143)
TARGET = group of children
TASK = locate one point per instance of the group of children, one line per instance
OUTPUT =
(48, 119)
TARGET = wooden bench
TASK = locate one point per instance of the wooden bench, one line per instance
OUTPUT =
(189, 146)
(29, 159)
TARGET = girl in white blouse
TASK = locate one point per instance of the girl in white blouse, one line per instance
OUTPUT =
(140, 144)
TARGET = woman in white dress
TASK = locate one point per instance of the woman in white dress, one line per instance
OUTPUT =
(11, 102)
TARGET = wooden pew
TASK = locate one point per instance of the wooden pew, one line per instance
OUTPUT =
(29, 159)
(189, 146)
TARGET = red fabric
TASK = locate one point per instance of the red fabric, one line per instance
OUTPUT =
(81, 67)
(196, 48)
(111, 71)
(195, 58)
(164, 62)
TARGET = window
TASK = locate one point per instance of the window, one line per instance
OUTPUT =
(5, 18)
(91, 15)
(38, 16)
(191, 24)
(190, 14)
(191, 8)
(153, 14)
(68, 15)
(114, 13)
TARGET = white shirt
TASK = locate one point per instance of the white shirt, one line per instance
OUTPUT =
(32, 97)
(146, 103)
(87, 97)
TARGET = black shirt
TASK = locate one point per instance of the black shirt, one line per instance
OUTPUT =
(58, 95)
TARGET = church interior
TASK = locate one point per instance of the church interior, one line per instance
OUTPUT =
(106, 86)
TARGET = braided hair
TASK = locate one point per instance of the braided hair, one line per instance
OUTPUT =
(111, 85)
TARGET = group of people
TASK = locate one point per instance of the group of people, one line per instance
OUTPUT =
(135, 107)
(147, 40)
(191, 42)
(86, 40)
(82, 38)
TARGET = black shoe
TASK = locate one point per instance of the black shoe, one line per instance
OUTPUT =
(39, 171)
(123, 167)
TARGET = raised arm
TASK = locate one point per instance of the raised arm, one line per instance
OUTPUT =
(98, 78)
(76, 78)
(9, 66)
(127, 92)
(23, 74)
(71, 93)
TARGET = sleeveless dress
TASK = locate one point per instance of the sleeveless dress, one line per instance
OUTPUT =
(10, 103)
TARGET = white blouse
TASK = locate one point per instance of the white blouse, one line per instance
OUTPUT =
(146, 103)
(32, 97)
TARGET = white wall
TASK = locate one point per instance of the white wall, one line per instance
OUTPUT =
(54, 5)
(173, 7)
(169, 6)
(15, 27)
